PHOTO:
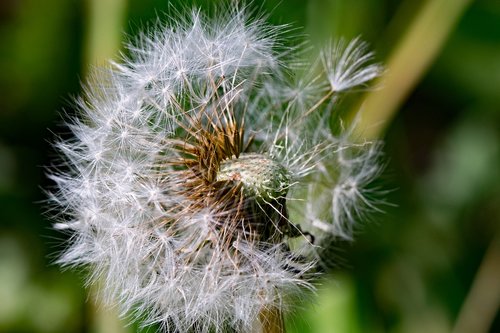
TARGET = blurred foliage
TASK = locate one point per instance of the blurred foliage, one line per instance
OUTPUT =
(411, 270)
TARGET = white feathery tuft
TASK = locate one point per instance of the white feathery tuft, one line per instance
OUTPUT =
(347, 65)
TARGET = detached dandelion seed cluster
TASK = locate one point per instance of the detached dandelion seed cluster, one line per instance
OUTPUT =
(203, 175)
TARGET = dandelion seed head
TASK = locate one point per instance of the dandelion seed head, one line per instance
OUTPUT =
(197, 159)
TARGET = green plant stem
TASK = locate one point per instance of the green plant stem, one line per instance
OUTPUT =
(103, 30)
(103, 318)
(483, 300)
(102, 40)
(271, 321)
(411, 58)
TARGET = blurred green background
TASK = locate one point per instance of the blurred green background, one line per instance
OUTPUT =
(429, 263)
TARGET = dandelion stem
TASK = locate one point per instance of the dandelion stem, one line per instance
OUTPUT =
(409, 61)
(102, 318)
(103, 35)
(102, 42)
(481, 304)
(271, 321)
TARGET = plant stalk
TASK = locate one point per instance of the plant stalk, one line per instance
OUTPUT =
(411, 58)
(270, 321)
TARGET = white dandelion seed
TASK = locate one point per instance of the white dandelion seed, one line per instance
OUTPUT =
(347, 65)
(197, 161)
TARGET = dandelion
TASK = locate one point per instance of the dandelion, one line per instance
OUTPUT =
(203, 174)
